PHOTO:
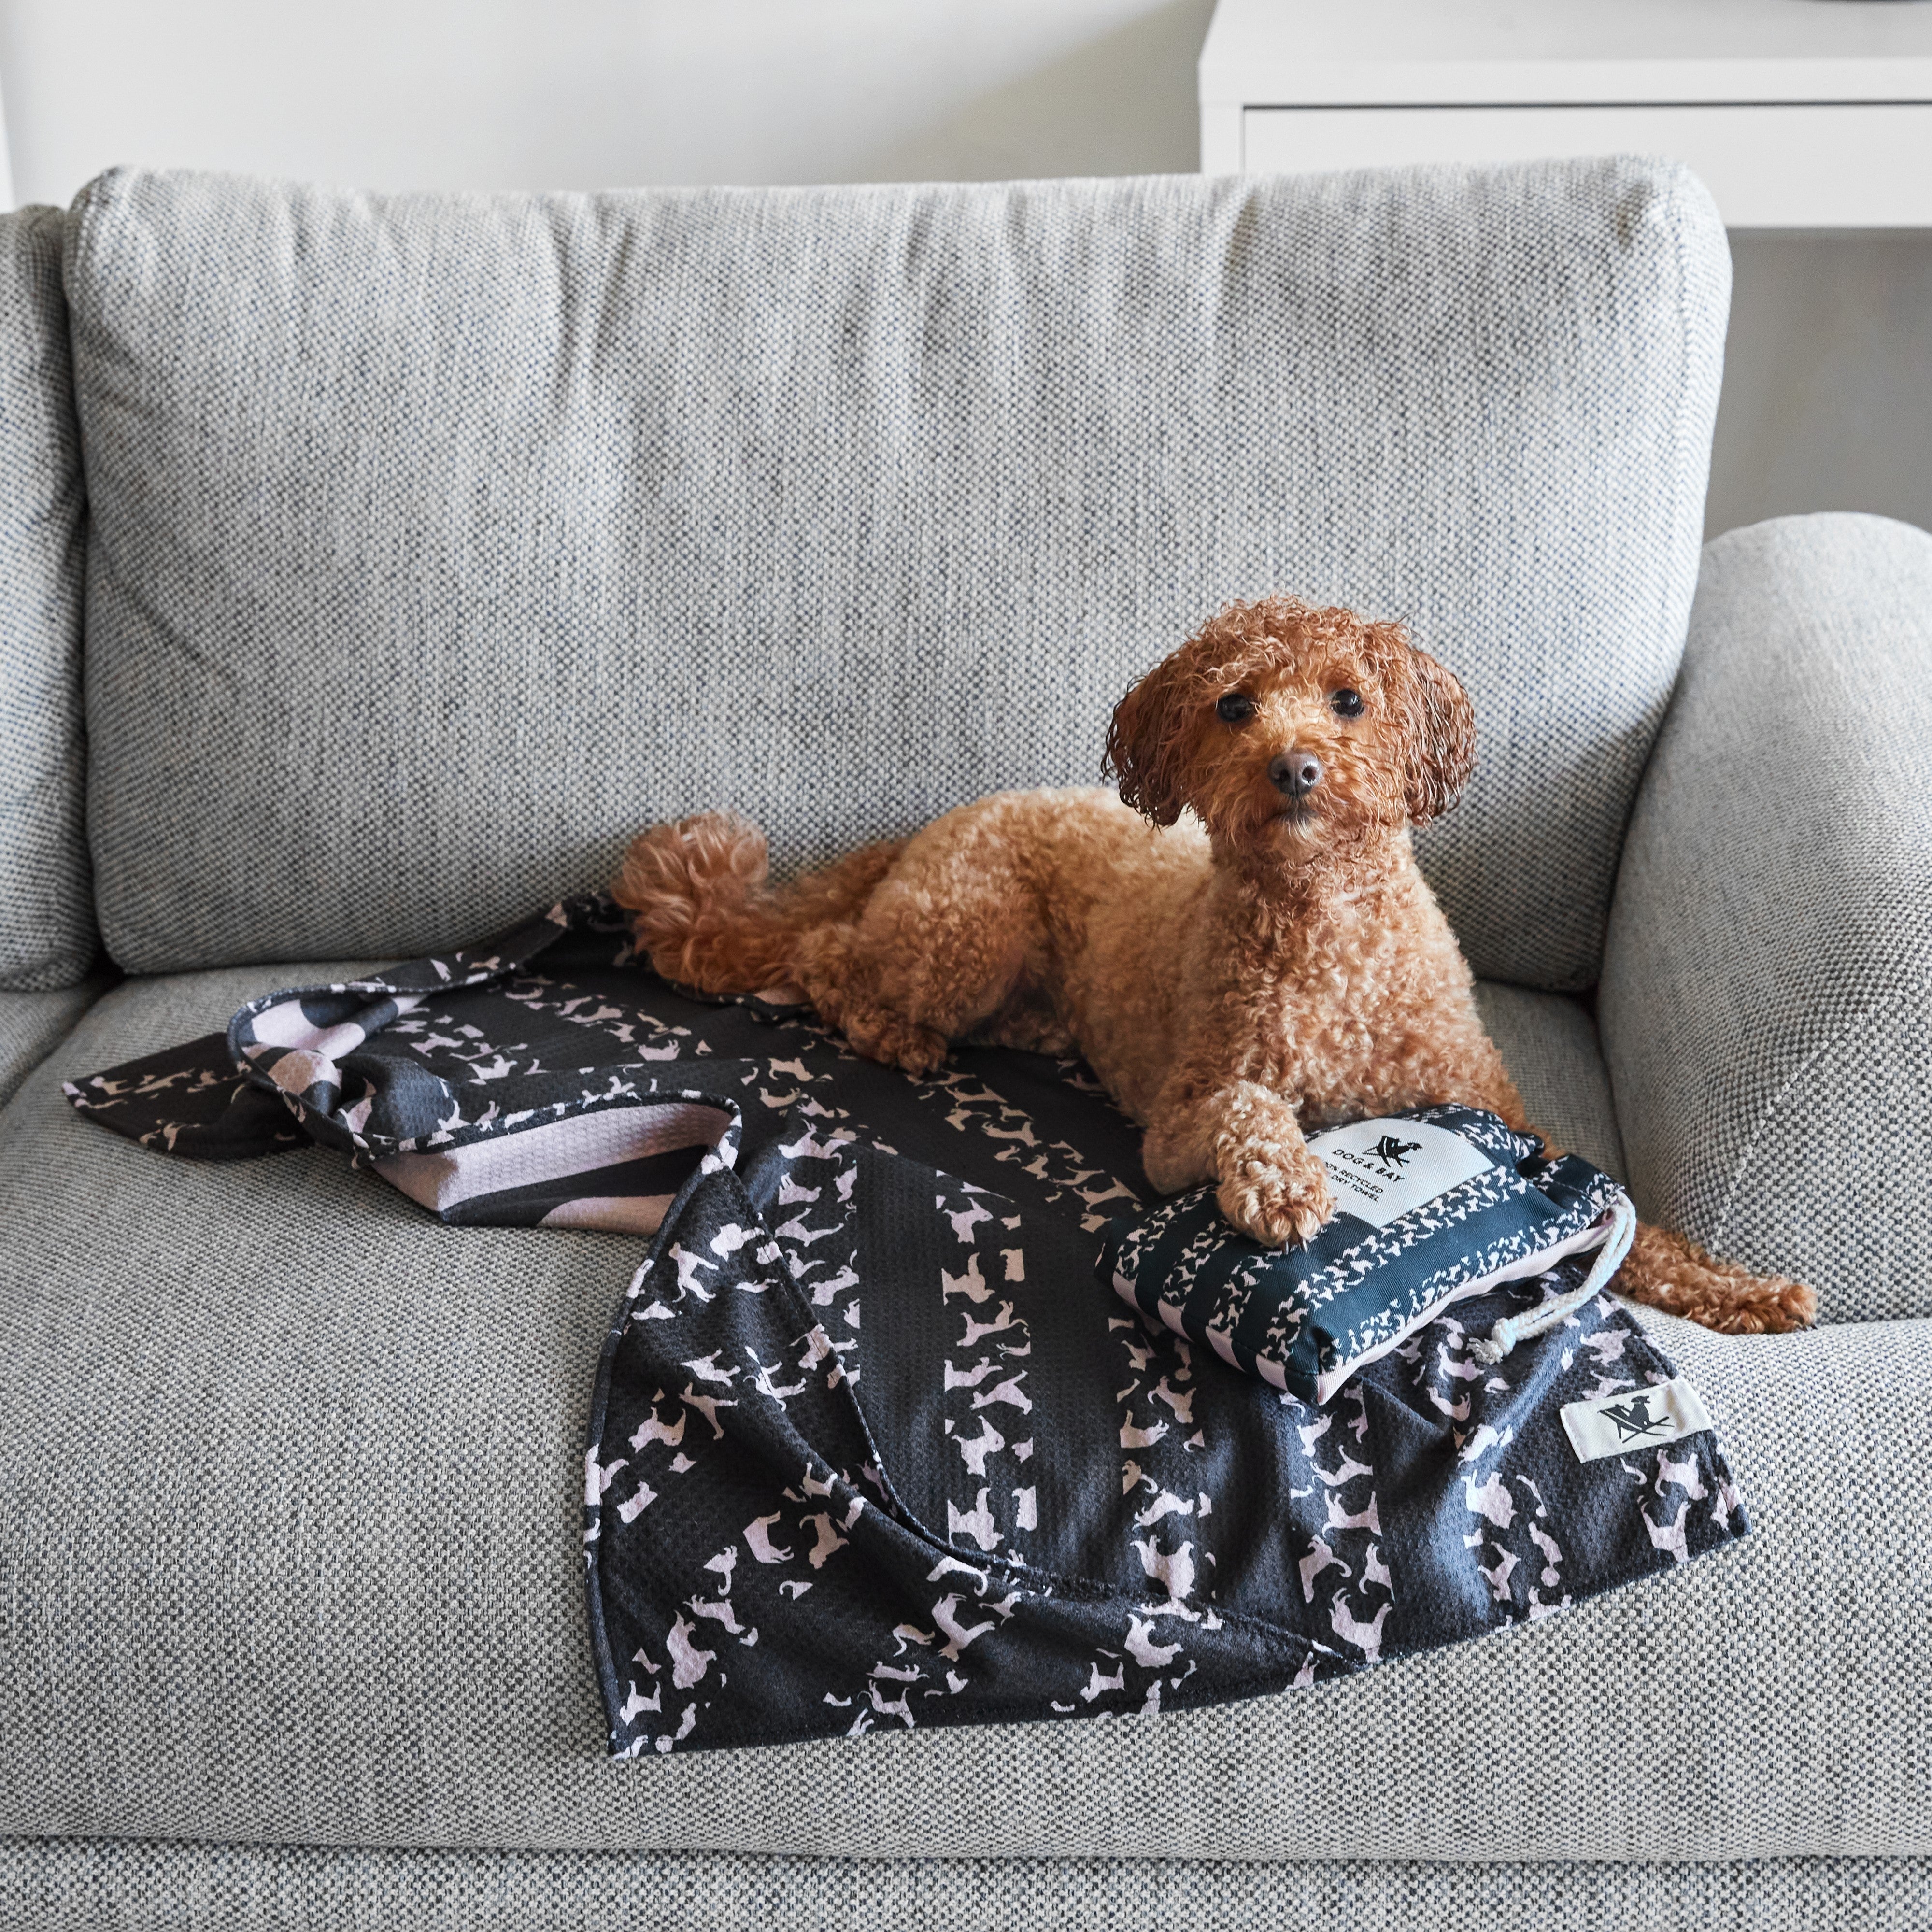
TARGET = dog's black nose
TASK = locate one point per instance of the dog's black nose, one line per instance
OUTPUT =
(1295, 773)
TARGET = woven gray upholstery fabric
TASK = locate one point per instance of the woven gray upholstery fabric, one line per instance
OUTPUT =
(334, 1596)
(1549, 1043)
(30, 1024)
(47, 934)
(1767, 998)
(55, 1887)
(440, 542)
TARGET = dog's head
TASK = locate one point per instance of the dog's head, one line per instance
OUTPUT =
(1294, 731)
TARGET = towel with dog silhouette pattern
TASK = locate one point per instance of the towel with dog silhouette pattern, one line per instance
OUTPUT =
(873, 1445)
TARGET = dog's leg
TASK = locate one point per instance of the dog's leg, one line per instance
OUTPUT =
(1272, 1187)
(838, 969)
(939, 949)
(1672, 1272)
(1029, 1024)
(1246, 1137)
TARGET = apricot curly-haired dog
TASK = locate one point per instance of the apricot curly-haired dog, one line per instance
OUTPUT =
(1240, 942)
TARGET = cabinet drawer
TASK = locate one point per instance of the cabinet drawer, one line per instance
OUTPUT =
(1783, 165)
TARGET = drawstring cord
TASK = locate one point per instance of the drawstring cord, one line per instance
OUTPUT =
(1506, 1334)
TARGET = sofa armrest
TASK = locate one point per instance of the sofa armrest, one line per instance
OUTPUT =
(1764, 1010)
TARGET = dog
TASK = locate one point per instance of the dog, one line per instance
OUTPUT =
(1238, 941)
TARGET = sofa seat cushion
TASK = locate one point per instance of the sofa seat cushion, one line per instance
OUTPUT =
(31, 1024)
(290, 1479)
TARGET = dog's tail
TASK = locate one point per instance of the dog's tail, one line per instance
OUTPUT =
(707, 917)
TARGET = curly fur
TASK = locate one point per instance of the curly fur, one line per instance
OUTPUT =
(1238, 963)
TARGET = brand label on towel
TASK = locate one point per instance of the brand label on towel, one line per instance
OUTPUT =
(1615, 1425)
(1380, 1169)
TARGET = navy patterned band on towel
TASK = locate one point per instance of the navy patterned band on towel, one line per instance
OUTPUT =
(1433, 1206)
(1000, 1494)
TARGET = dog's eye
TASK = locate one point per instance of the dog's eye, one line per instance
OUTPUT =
(1346, 703)
(1235, 707)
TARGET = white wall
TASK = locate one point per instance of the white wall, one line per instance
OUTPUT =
(599, 93)
(1828, 398)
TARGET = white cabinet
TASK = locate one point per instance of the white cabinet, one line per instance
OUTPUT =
(1796, 113)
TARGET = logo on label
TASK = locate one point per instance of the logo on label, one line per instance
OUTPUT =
(1381, 1169)
(1634, 1420)
(1610, 1425)
(1394, 1154)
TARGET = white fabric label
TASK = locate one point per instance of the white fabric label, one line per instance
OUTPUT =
(1636, 1419)
(1380, 1169)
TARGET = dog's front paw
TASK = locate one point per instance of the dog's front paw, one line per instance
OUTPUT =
(1274, 1196)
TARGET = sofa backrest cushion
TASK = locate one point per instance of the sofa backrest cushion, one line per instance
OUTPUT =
(47, 934)
(439, 542)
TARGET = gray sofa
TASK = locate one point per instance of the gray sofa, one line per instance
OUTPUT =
(371, 568)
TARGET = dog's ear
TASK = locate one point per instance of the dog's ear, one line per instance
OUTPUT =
(1442, 736)
(1144, 744)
